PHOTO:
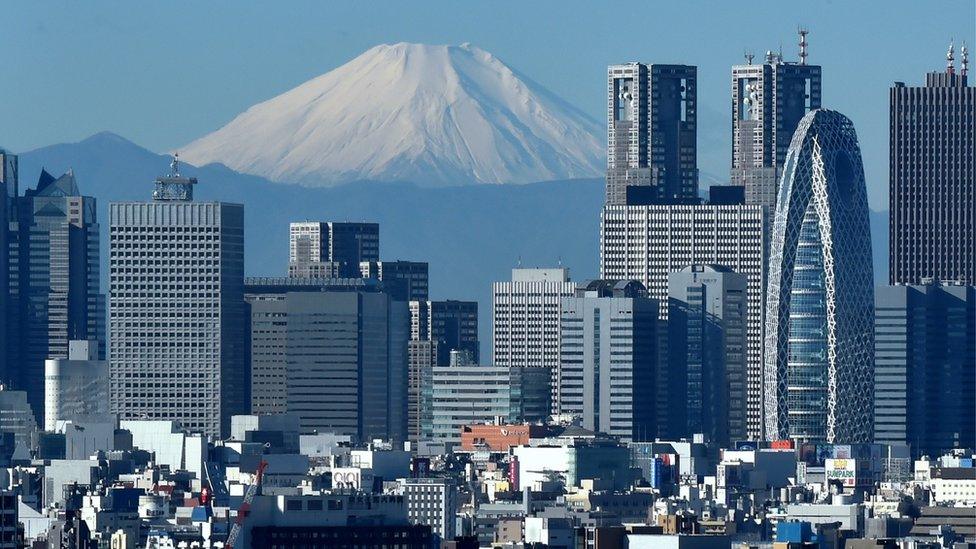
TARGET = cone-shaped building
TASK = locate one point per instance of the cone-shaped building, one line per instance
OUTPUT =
(819, 342)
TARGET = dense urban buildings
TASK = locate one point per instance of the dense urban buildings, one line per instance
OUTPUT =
(648, 243)
(75, 387)
(932, 192)
(53, 279)
(176, 312)
(609, 359)
(819, 360)
(707, 307)
(768, 101)
(331, 249)
(924, 381)
(332, 352)
(652, 148)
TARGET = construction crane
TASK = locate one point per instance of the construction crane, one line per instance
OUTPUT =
(245, 507)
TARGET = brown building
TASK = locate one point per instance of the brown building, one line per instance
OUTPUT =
(499, 438)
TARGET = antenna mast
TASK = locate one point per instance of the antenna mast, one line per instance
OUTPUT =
(964, 70)
(803, 44)
(950, 59)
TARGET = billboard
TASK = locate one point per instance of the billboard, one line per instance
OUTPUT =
(843, 470)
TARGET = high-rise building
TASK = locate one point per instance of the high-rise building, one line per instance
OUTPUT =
(332, 352)
(75, 387)
(405, 280)
(652, 151)
(932, 193)
(437, 328)
(707, 351)
(55, 267)
(331, 249)
(924, 379)
(176, 312)
(609, 359)
(768, 101)
(472, 394)
(8, 214)
(525, 319)
(648, 243)
(819, 357)
(432, 502)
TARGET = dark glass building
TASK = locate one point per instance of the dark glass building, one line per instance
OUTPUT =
(932, 166)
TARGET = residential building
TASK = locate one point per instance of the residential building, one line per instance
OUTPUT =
(405, 280)
(652, 151)
(467, 395)
(932, 192)
(819, 359)
(75, 387)
(648, 243)
(176, 315)
(924, 380)
(609, 358)
(54, 269)
(432, 502)
(707, 351)
(768, 101)
(331, 249)
(331, 351)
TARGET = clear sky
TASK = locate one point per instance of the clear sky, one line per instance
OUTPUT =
(164, 73)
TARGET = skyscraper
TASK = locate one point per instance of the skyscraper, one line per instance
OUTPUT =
(405, 280)
(8, 212)
(176, 312)
(648, 243)
(707, 350)
(525, 318)
(932, 194)
(768, 101)
(819, 359)
(925, 382)
(652, 151)
(609, 359)
(331, 351)
(331, 249)
(56, 297)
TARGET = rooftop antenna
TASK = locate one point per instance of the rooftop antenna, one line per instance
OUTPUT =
(803, 44)
(964, 69)
(174, 166)
(748, 55)
(950, 59)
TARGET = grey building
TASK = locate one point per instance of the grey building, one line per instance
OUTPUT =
(652, 152)
(768, 101)
(432, 502)
(932, 192)
(924, 380)
(405, 280)
(332, 352)
(176, 312)
(609, 358)
(707, 351)
(648, 243)
(466, 395)
(54, 267)
(437, 328)
(8, 204)
(75, 387)
(331, 249)
(819, 358)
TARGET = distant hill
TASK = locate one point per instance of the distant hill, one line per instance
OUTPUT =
(471, 235)
(431, 115)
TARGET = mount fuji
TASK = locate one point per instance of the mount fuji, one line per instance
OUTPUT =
(431, 115)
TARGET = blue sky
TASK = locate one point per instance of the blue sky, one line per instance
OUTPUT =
(164, 73)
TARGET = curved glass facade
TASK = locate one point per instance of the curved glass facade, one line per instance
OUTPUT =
(819, 340)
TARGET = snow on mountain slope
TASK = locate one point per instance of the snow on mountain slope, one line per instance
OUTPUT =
(433, 115)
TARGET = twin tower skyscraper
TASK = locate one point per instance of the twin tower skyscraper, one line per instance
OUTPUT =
(794, 221)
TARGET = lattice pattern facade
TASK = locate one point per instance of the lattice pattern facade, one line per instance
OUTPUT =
(819, 340)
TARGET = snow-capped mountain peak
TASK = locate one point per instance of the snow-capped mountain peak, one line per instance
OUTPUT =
(433, 115)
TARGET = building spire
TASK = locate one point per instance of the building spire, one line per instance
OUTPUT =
(964, 67)
(174, 166)
(950, 59)
(803, 44)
